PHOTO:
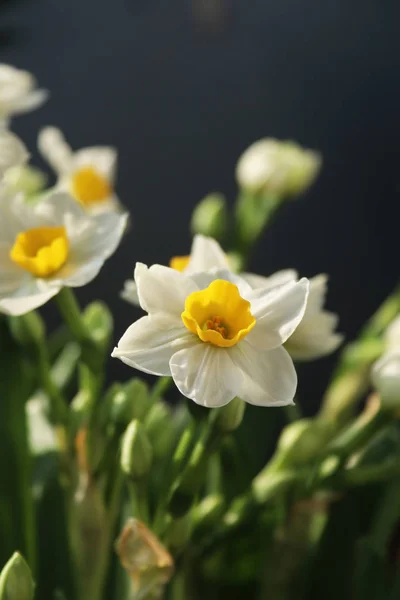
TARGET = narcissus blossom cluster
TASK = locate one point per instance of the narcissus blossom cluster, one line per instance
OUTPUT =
(174, 458)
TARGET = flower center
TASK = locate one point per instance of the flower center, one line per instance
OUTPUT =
(179, 263)
(218, 314)
(89, 186)
(42, 251)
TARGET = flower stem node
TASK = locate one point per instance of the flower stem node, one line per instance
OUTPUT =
(136, 451)
(16, 581)
(208, 512)
(210, 216)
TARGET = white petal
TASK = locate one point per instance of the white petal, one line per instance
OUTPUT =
(12, 152)
(93, 240)
(269, 378)
(315, 337)
(55, 149)
(204, 279)
(31, 294)
(56, 208)
(162, 290)
(317, 295)
(98, 238)
(11, 275)
(274, 280)
(150, 342)
(206, 254)
(278, 312)
(129, 293)
(30, 102)
(102, 158)
(206, 374)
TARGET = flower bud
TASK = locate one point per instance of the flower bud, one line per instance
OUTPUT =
(138, 394)
(158, 424)
(270, 166)
(99, 321)
(210, 216)
(386, 379)
(208, 512)
(136, 451)
(27, 179)
(230, 416)
(16, 582)
(301, 440)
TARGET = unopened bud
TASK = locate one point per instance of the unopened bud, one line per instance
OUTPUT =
(208, 512)
(136, 451)
(231, 415)
(138, 394)
(210, 216)
(16, 582)
(301, 440)
(27, 179)
(386, 379)
(270, 166)
(99, 322)
(159, 428)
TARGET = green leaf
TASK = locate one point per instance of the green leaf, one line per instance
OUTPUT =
(16, 503)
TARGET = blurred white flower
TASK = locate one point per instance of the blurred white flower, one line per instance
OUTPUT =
(386, 379)
(12, 152)
(87, 174)
(50, 245)
(215, 336)
(281, 168)
(205, 254)
(18, 92)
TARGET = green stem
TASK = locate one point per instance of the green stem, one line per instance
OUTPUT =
(59, 413)
(71, 313)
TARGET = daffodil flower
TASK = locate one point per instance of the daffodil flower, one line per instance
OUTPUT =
(12, 152)
(50, 245)
(18, 93)
(314, 337)
(215, 336)
(87, 174)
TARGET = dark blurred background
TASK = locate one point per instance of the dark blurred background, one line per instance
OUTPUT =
(182, 87)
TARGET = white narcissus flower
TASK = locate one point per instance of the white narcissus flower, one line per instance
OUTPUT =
(386, 378)
(215, 336)
(314, 337)
(12, 152)
(50, 245)
(87, 174)
(18, 92)
(276, 167)
(205, 254)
